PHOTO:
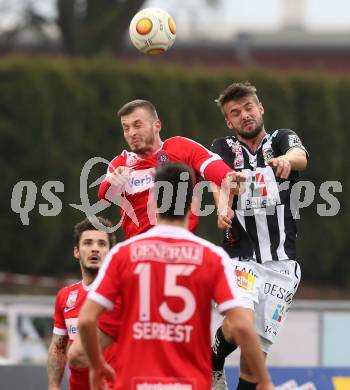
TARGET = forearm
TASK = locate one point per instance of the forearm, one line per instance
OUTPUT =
(216, 172)
(240, 329)
(297, 159)
(56, 364)
(89, 340)
(216, 193)
(250, 347)
(222, 198)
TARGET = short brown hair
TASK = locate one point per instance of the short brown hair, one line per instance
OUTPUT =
(84, 225)
(130, 107)
(234, 92)
(172, 173)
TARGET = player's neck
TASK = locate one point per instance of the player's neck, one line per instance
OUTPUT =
(173, 222)
(87, 278)
(154, 147)
(253, 143)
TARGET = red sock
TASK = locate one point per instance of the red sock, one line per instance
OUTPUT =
(79, 378)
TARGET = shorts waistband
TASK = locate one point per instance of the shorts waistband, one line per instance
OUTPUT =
(243, 258)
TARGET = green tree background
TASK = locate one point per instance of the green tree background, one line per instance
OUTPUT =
(57, 114)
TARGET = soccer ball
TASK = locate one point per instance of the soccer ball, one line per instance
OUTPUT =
(152, 31)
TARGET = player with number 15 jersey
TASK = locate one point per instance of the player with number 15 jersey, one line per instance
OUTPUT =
(166, 278)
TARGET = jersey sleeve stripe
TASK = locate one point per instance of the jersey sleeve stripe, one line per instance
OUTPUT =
(100, 299)
(231, 304)
(302, 147)
(60, 331)
(207, 162)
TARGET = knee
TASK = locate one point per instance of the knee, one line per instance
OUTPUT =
(227, 331)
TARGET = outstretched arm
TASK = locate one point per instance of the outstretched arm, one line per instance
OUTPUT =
(294, 160)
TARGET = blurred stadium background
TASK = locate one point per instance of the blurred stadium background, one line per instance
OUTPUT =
(66, 65)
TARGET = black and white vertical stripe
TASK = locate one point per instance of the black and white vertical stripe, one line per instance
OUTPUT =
(263, 233)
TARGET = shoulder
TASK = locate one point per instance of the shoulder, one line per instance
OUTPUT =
(286, 137)
(184, 147)
(210, 248)
(118, 160)
(282, 133)
(223, 143)
(66, 290)
(178, 140)
(225, 140)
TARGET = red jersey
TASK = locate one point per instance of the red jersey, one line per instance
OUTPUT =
(176, 149)
(167, 278)
(69, 301)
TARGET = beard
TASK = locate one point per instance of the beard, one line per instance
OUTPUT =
(92, 271)
(145, 145)
(252, 133)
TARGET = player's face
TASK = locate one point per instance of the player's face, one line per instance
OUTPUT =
(140, 130)
(245, 116)
(93, 248)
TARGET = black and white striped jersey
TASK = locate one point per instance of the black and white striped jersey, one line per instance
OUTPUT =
(263, 226)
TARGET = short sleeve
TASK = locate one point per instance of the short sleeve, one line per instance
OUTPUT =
(284, 140)
(106, 286)
(58, 319)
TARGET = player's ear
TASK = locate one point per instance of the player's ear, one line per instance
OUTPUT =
(261, 108)
(157, 125)
(228, 124)
(76, 252)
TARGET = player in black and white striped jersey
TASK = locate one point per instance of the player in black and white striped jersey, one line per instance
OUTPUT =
(259, 226)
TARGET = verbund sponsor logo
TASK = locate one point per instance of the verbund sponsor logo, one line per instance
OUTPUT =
(157, 251)
(72, 327)
(140, 180)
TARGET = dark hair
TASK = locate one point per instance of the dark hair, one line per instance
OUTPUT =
(173, 185)
(84, 225)
(130, 107)
(234, 92)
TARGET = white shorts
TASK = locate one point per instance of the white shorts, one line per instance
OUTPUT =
(268, 289)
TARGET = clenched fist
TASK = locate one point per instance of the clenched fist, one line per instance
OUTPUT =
(120, 176)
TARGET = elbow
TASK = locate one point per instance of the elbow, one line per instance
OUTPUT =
(104, 186)
(76, 356)
(239, 330)
(299, 165)
(304, 164)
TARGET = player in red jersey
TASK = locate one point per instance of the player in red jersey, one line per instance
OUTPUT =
(167, 278)
(91, 247)
(131, 173)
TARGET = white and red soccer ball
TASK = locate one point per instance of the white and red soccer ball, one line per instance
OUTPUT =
(152, 31)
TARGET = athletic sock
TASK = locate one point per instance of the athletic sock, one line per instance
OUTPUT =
(244, 385)
(220, 350)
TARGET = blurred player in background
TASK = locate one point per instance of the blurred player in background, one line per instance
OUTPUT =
(91, 247)
(167, 278)
(259, 226)
(130, 174)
